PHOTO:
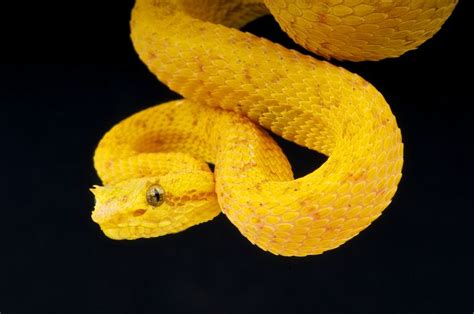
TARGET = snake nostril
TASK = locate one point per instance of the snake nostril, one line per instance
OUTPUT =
(139, 212)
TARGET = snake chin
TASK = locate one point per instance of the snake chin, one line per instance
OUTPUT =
(133, 232)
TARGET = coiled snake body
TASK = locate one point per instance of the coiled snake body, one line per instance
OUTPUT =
(153, 164)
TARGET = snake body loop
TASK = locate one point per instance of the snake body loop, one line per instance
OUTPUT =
(231, 80)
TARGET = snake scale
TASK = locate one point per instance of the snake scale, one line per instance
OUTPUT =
(154, 164)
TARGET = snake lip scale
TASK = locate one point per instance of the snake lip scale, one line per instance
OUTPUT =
(154, 164)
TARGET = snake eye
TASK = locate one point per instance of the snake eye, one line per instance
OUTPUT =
(155, 195)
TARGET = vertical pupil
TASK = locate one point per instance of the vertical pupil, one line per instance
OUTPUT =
(156, 195)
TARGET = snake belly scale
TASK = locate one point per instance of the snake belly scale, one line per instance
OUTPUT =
(154, 164)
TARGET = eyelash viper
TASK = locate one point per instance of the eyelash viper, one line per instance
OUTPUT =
(153, 164)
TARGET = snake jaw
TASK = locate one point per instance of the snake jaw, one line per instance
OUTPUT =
(120, 213)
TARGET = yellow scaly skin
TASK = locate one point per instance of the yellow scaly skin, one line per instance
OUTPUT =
(359, 30)
(310, 102)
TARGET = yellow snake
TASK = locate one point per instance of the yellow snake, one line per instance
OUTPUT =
(154, 164)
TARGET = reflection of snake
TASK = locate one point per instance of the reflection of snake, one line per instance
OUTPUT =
(153, 163)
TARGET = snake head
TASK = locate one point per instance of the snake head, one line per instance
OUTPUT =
(154, 206)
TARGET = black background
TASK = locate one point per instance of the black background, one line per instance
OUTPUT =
(69, 73)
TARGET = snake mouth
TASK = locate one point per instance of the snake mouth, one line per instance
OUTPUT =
(129, 232)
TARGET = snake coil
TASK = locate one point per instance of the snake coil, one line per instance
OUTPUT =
(154, 164)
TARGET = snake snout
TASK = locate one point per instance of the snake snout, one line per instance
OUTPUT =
(106, 206)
